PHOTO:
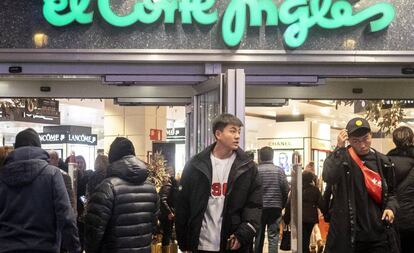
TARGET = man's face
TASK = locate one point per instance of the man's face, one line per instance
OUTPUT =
(362, 144)
(229, 137)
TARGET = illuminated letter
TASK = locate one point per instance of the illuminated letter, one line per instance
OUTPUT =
(51, 9)
(197, 9)
(115, 20)
(234, 19)
(156, 8)
(340, 12)
(297, 31)
(234, 23)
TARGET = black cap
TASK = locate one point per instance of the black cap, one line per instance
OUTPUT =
(119, 148)
(27, 137)
(358, 127)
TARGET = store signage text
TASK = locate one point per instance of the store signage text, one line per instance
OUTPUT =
(53, 138)
(49, 138)
(176, 133)
(298, 15)
(294, 143)
(82, 138)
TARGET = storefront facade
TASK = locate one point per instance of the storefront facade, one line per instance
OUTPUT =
(281, 48)
(217, 55)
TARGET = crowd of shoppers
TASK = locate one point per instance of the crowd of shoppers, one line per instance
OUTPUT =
(223, 202)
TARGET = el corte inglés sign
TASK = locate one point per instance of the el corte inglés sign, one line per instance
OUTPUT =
(299, 16)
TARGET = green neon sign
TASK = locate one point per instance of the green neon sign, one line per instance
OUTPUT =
(298, 15)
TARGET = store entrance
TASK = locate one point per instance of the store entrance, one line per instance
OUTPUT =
(307, 120)
(157, 113)
(292, 116)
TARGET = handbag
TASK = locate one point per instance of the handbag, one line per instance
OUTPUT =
(285, 243)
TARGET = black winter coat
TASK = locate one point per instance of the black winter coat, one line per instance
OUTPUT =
(338, 171)
(122, 212)
(35, 212)
(168, 197)
(404, 172)
(311, 201)
(242, 207)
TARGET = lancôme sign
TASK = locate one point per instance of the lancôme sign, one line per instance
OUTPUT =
(299, 16)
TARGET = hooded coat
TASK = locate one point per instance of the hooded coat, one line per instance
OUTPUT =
(35, 212)
(122, 212)
(404, 173)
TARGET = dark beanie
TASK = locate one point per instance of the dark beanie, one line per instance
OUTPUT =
(27, 137)
(120, 147)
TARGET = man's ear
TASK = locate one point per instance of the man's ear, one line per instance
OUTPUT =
(217, 133)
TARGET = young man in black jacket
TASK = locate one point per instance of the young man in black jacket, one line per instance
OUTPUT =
(363, 191)
(220, 200)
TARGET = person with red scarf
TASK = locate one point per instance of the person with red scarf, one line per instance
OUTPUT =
(363, 203)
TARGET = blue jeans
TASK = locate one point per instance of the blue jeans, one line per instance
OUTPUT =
(271, 219)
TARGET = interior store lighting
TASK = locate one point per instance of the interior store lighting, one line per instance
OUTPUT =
(295, 111)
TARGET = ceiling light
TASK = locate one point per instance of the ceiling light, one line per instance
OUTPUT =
(295, 111)
(325, 111)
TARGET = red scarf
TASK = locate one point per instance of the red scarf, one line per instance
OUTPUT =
(373, 181)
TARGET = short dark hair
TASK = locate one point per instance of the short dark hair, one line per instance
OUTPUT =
(403, 137)
(266, 154)
(221, 121)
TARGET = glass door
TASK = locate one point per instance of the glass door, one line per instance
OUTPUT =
(207, 103)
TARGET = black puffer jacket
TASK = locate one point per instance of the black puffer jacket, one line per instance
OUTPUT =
(403, 160)
(122, 212)
(35, 212)
(242, 208)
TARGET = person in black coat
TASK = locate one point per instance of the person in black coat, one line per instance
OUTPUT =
(122, 213)
(311, 201)
(35, 212)
(403, 158)
(217, 211)
(360, 214)
(83, 177)
(168, 198)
